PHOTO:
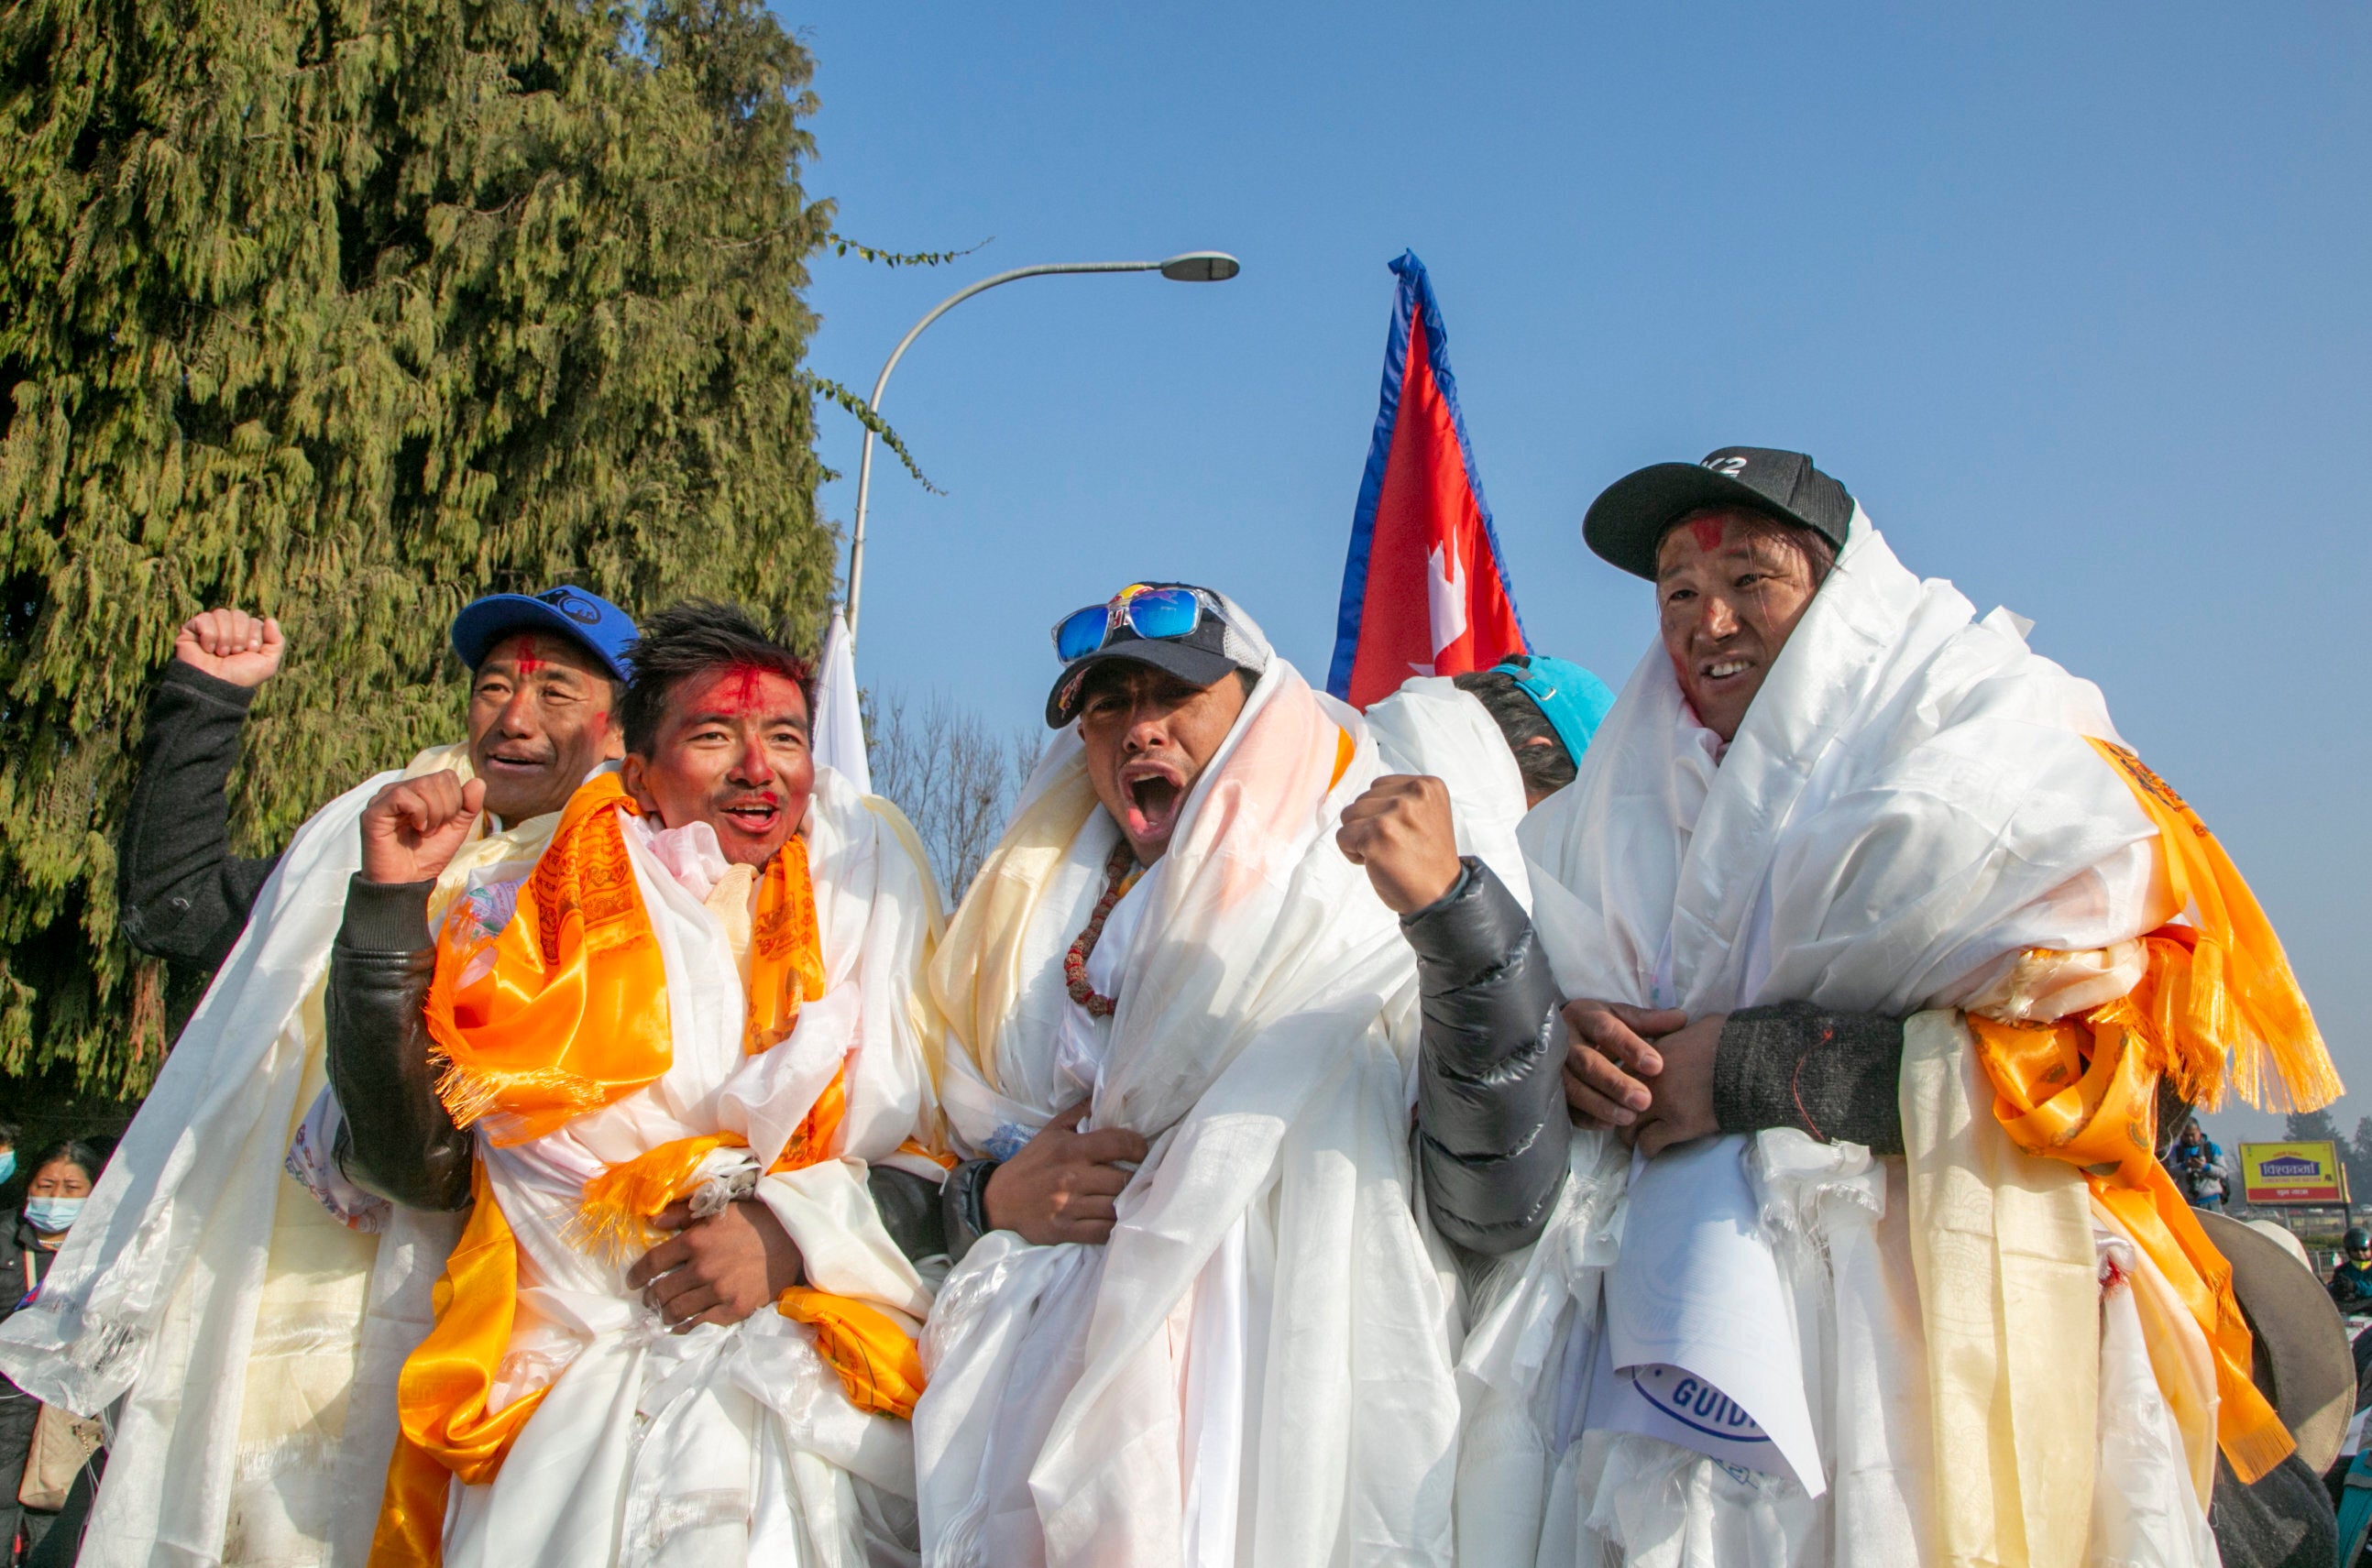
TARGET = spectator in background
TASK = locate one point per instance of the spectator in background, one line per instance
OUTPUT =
(2197, 1162)
(2350, 1282)
(10, 1132)
(1548, 709)
(62, 1179)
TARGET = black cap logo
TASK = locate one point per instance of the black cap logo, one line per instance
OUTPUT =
(571, 606)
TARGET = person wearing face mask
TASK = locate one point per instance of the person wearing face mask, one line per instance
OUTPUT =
(1195, 1319)
(239, 1285)
(675, 1050)
(1884, 958)
(60, 1183)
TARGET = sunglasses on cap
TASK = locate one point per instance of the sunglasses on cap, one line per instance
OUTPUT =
(1154, 614)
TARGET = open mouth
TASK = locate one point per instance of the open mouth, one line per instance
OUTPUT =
(756, 817)
(1153, 802)
(1724, 668)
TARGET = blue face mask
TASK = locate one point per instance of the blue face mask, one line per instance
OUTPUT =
(7, 1164)
(50, 1216)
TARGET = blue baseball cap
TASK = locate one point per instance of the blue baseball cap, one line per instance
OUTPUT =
(591, 622)
(1573, 701)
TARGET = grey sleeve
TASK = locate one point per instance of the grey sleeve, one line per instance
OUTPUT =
(1491, 1124)
(1830, 1073)
(181, 894)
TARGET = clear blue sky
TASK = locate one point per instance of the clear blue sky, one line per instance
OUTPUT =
(2072, 297)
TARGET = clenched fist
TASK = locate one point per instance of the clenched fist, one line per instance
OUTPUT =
(231, 645)
(413, 827)
(1401, 831)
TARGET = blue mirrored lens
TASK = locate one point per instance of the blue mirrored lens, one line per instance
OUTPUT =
(1080, 632)
(1163, 612)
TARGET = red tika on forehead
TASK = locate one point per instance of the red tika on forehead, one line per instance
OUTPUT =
(741, 690)
(1708, 532)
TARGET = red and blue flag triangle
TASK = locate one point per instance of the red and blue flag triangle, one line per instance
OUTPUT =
(1425, 591)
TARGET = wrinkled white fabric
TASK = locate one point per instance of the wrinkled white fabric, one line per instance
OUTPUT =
(1430, 727)
(1908, 804)
(196, 1268)
(729, 1443)
(1264, 1342)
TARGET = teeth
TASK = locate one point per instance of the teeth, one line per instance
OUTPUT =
(1725, 668)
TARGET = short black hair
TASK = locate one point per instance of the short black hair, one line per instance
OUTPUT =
(10, 1130)
(1546, 769)
(74, 1151)
(691, 638)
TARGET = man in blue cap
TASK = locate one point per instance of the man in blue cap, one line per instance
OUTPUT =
(240, 1329)
(1548, 708)
(546, 671)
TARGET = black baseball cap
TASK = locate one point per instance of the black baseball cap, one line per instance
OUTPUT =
(1627, 521)
(586, 619)
(1222, 640)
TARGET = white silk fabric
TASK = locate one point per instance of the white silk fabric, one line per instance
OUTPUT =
(730, 1442)
(1909, 804)
(251, 1339)
(1256, 1369)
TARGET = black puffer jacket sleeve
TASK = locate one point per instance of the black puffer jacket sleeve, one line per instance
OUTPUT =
(1492, 1131)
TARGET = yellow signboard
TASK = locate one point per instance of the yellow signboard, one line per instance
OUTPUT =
(2293, 1173)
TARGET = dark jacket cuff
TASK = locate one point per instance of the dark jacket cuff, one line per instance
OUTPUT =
(963, 1206)
(191, 681)
(1467, 932)
(1831, 1075)
(387, 917)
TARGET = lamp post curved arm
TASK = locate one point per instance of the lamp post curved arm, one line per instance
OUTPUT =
(1194, 266)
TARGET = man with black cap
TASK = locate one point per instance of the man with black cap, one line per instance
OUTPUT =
(1193, 1317)
(1866, 916)
(237, 1320)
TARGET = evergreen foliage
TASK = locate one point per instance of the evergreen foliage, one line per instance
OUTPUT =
(350, 312)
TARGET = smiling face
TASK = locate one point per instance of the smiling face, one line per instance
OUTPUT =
(1148, 737)
(730, 751)
(1730, 586)
(541, 719)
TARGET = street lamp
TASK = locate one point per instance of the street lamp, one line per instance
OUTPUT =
(1194, 266)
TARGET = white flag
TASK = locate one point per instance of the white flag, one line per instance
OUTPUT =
(839, 738)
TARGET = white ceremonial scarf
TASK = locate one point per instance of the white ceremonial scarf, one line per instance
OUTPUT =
(1909, 804)
(172, 1295)
(1430, 727)
(1264, 1024)
(727, 1443)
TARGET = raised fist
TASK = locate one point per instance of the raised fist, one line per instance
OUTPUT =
(413, 828)
(231, 645)
(1401, 833)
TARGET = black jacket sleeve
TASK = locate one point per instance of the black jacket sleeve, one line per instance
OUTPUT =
(181, 894)
(1492, 1129)
(398, 1140)
(1831, 1075)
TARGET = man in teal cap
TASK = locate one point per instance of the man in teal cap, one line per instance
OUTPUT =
(1548, 709)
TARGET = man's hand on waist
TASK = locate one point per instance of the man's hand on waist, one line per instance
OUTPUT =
(719, 1269)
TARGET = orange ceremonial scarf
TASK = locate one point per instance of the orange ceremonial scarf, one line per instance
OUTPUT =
(559, 1010)
(2217, 999)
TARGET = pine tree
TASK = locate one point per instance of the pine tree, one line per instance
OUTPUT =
(350, 312)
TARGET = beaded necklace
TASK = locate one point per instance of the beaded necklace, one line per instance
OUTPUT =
(1120, 872)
